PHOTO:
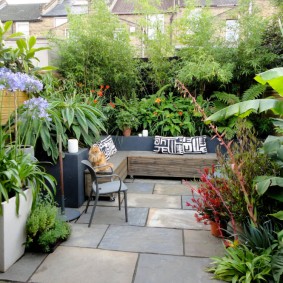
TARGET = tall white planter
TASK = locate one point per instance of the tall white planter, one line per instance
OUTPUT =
(13, 230)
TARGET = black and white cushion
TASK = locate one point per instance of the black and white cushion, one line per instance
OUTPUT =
(107, 146)
(169, 145)
(194, 144)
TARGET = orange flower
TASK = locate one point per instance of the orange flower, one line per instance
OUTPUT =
(112, 104)
(180, 113)
(157, 100)
(100, 93)
(95, 101)
(92, 90)
(107, 86)
(102, 86)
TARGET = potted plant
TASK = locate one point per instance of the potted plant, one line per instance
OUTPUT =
(208, 201)
(21, 179)
(127, 115)
(21, 176)
(126, 122)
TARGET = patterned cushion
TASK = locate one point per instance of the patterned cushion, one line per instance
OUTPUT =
(169, 145)
(194, 144)
(107, 146)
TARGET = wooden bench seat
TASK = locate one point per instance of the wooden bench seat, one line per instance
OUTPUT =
(148, 163)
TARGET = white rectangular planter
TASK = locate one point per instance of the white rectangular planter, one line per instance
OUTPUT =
(13, 230)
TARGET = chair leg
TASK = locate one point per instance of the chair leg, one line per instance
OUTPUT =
(89, 199)
(126, 205)
(119, 200)
(93, 209)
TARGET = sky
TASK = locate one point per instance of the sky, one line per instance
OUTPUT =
(26, 1)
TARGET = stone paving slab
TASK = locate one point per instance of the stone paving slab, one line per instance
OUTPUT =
(112, 215)
(143, 239)
(141, 188)
(73, 265)
(157, 181)
(174, 218)
(84, 236)
(171, 189)
(158, 201)
(202, 244)
(22, 270)
(172, 269)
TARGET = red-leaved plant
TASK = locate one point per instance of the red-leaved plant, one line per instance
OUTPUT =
(207, 198)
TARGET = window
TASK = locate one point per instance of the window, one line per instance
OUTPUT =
(155, 23)
(60, 21)
(232, 30)
(23, 27)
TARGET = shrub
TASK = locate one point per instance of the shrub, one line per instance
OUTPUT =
(45, 228)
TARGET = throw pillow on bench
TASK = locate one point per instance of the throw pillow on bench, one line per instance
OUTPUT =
(180, 145)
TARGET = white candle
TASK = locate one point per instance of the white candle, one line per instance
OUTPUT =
(145, 133)
(140, 135)
(73, 146)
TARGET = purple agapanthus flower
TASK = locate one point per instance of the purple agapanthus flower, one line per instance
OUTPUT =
(18, 81)
(37, 108)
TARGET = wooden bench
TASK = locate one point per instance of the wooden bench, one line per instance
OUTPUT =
(147, 163)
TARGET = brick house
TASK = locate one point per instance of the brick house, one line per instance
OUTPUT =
(169, 11)
(43, 19)
(40, 20)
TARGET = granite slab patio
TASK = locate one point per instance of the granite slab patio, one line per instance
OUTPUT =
(161, 243)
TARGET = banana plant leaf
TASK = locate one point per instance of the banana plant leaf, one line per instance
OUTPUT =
(273, 77)
(278, 215)
(245, 108)
(264, 183)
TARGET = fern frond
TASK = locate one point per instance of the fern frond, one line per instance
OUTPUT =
(255, 91)
(227, 98)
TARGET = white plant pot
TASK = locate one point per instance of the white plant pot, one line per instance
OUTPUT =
(13, 230)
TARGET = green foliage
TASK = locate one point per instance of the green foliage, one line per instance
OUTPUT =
(19, 171)
(259, 238)
(230, 126)
(98, 56)
(45, 228)
(61, 230)
(126, 113)
(198, 33)
(70, 117)
(21, 58)
(242, 265)
(169, 115)
(252, 163)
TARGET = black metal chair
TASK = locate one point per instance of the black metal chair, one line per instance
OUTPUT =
(113, 186)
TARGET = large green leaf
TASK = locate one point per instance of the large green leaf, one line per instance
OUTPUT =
(277, 265)
(263, 183)
(273, 77)
(245, 108)
(278, 215)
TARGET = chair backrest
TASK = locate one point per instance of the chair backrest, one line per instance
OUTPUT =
(91, 170)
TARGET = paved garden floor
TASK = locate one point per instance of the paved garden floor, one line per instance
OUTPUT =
(161, 243)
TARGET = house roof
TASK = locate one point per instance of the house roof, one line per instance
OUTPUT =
(128, 7)
(63, 7)
(21, 12)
